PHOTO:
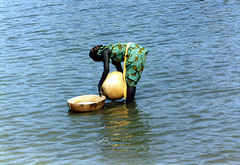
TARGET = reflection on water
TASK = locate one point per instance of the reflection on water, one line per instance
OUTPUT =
(123, 134)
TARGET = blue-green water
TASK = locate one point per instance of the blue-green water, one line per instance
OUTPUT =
(187, 106)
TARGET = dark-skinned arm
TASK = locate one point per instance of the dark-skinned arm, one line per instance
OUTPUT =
(118, 66)
(105, 54)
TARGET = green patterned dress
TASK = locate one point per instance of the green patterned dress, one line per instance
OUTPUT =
(135, 60)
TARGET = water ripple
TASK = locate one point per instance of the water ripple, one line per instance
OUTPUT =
(187, 101)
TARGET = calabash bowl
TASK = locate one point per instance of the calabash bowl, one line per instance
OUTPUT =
(86, 103)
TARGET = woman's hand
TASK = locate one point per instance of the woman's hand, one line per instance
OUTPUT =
(100, 91)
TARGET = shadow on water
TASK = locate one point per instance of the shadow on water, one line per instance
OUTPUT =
(123, 136)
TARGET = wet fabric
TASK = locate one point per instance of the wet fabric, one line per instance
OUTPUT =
(135, 60)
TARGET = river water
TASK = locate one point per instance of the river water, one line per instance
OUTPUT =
(187, 106)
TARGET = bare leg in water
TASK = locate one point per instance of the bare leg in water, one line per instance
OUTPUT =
(130, 94)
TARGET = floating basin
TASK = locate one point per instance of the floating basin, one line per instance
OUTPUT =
(86, 103)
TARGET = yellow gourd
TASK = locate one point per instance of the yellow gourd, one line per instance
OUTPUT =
(113, 86)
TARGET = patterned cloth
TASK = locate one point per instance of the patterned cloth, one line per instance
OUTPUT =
(135, 60)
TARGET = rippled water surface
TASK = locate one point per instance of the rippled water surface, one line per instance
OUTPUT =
(187, 106)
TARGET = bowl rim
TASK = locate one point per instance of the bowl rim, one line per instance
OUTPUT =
(94, 102)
